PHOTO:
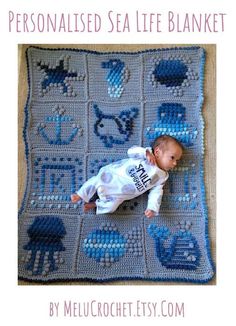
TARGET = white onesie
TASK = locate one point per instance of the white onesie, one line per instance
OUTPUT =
(124, 180)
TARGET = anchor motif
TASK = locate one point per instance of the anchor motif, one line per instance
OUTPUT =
(58, 76)
(58, 119)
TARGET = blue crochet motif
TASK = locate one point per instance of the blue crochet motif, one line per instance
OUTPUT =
(58, 76)
(112, 129)
(55, 179)
(174, 73)
(58, 121)
(184, 197)
(117, 76)
(107, 245)
(45, 244)
(170, 72)
(182, 252)
(171, 121)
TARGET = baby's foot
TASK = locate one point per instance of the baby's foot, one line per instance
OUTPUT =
(88, 206)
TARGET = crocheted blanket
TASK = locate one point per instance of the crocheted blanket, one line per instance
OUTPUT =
(84, 110)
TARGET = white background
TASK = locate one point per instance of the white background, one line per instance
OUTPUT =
(29, 305)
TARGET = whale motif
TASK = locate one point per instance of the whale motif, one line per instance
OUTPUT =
(44, 246)
(180, 251)
(171, 121)
(58, 76)
(113, 129)
(107, 245)
(117, 76)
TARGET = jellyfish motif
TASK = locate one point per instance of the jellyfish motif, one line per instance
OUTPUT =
(107, 245)
(117, 76)
(44, 246)
(180, 251)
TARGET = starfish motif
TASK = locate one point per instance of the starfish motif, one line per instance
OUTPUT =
(58, 76)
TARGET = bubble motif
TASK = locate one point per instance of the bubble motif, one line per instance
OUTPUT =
(106, 177)
(128, 189)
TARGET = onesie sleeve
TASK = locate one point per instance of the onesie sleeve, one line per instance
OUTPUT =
(155, 197)
(137, 152)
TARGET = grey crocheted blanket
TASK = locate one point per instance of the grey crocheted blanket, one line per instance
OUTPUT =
(84, 110)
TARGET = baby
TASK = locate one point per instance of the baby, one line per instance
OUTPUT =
(145, 169)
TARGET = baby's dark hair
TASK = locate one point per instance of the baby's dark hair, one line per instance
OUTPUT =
(163, 140)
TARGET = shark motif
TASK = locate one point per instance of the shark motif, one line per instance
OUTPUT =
(113, 129)
(117, 76)
(59, 76)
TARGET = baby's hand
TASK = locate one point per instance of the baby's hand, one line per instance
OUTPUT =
(151, 158)
(75, 198)
(149, 213)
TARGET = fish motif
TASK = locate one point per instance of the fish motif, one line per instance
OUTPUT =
(181, 251)
(107, 245)
(113, 129)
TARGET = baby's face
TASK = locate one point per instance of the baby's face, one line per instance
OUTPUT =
(168, 157)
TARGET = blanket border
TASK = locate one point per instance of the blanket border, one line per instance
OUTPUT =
(202, 172)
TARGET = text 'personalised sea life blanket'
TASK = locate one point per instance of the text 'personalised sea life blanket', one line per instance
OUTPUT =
(84, 110)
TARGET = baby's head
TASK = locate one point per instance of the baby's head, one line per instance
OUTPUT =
(167, 151)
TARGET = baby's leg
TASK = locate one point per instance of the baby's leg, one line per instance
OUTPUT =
(88, 189)
(107, 206)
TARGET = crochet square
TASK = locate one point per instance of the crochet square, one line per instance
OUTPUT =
(84, 110)
(55, 176)
(113, 126)
(60, 76)
(58, 124)
(112, 246)
(171, 73)
(114, 77)
(47, 244)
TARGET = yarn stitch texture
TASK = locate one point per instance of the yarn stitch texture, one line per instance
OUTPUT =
(84, 110)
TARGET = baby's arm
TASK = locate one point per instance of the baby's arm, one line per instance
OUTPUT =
(154, 201)
(141, 153)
